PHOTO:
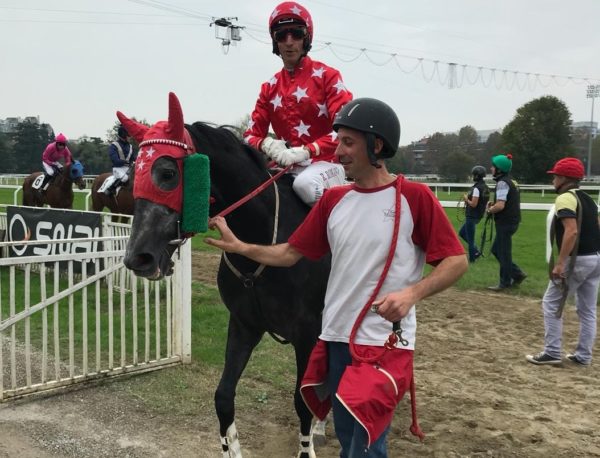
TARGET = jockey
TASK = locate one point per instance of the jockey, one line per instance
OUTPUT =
(122, 156)
(299, 103)
(54, 151)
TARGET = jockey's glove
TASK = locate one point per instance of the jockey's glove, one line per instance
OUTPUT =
(291, 156)
(271, 146)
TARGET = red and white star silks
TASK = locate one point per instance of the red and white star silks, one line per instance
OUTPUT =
(300, 107)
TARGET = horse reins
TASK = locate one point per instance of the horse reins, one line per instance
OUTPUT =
(248, 280)
(254, 193)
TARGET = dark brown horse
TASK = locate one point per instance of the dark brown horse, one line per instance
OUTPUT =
(286, 302)
(122, 202)
(60, 191)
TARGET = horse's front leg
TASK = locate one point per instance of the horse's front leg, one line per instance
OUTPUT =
(240, 344)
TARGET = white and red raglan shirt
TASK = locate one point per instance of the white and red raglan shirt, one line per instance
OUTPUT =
(356, 225)
(300, 107)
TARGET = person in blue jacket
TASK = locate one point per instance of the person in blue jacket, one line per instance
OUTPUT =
(122, 156)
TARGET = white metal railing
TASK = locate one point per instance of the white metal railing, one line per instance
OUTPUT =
(59, 327)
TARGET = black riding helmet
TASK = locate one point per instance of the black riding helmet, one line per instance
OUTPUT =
(376, 119)
(478, 172)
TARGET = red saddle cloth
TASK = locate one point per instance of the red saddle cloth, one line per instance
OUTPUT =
(369, 391)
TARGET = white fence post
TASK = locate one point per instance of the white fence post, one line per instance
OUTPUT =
(182, 300)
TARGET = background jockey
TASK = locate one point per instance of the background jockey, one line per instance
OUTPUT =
(52, 154)
(300, 103)
(122, 156)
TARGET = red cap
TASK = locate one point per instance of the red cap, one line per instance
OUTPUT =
(568, 167)
(291, 12)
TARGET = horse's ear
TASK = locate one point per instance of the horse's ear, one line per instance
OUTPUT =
(175, 127)
(135, 129)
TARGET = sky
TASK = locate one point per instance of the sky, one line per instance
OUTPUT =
(74, 63)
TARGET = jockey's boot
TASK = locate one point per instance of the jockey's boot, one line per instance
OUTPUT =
(45, 184)
(112, 188)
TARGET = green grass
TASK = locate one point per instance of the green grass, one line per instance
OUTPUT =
(36, 320)
(7, 198)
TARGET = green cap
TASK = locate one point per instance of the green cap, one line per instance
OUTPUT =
(502, 162)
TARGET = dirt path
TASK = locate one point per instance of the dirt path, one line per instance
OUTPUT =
(477, 397)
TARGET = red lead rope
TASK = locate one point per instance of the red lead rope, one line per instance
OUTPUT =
(393, 337)
(257, 191)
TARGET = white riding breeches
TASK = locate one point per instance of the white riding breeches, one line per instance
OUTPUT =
(120, 173)
(49, 169)
(312, 180)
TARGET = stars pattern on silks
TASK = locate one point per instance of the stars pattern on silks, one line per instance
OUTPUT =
(149, 152)
(273, 81)
(297, 11)
(300, 93)
(250, 123)
(302, 129)
(274, 13)
(318, 72)
(322, 110)
(140, 164)
(340, 86)
(276, 102)
(333, 135)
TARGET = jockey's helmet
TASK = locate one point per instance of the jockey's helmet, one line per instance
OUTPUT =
(288, 14)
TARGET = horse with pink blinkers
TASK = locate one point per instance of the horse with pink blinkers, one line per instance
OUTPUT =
(285, 302)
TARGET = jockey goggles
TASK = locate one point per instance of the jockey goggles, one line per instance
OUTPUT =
(297, 33)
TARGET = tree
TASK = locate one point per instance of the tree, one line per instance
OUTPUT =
(7, 165)
(538, 136)
(402, 162)
(92, 153)
(468, 141)
(492, 146)
(457, 166)
(29, 141)
(439, 147)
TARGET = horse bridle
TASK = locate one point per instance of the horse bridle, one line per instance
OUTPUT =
(248, 280)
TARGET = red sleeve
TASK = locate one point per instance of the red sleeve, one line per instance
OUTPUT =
(259, 119)
(310, 238)
(336, 96)
(432, 232)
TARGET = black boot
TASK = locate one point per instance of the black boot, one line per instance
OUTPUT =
(112, 188)
(44, 186)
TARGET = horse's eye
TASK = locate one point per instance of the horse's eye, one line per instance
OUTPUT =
(165, 174)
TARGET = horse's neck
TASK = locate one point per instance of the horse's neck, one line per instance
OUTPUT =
(62, 182)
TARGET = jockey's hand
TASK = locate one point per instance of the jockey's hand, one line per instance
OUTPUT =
(271, 146)
(228, 241)
(394, 306)
(291, 156)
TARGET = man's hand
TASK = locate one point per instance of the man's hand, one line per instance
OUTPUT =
(291, 156)
(228, 241)
(394, 306)
(272, 147)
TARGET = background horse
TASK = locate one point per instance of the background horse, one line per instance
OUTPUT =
(116, 203)
(282, 301)
(60, 191)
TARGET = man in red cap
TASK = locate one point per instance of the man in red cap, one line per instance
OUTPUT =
(577, 268)
(299, 103)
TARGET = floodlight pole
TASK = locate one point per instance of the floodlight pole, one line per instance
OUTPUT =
(593, 90)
